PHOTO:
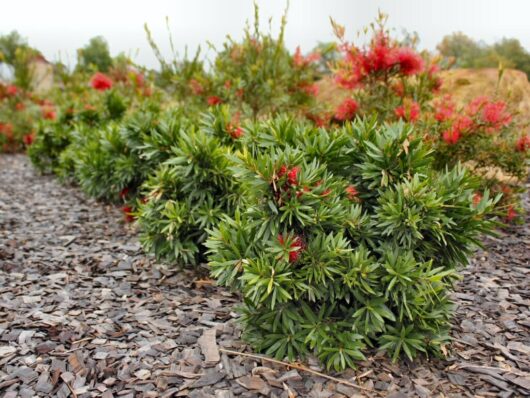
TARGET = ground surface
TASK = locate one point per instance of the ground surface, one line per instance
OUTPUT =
(84, 313)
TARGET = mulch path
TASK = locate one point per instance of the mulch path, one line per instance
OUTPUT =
(84, 313)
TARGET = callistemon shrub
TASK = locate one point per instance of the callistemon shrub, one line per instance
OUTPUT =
(385, 77)
(482, 135)
(332, 265)
(187, 194)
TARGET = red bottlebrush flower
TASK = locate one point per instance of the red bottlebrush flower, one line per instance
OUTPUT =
(239, 93)
(124, 193)
(352, 68)
(214, 100)
(228, 84)
(297, 244)
(476, 105)
(282, 171)
(127, 211)
(292, 176)
(409, 61)
(495, 114)
(20, 106)
(48, 113)
(196, 87)
(477, 197)
(320, 120)
(234, 131)
(101, 82)
(309, 89)
(11, 90)
(351, 192)
(511, 213)
(28, 139)
(89, 107)
(346, 110)
(523, 144)
(410, 111)
(451, 136)
(463, 124)
(444, 109)
(381, 56)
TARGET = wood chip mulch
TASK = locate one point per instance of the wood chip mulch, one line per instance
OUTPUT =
(84, 313)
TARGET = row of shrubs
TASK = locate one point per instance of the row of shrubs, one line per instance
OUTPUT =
(341, 230)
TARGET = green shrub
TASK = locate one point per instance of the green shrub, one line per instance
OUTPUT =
(332, 264)
(189, 193)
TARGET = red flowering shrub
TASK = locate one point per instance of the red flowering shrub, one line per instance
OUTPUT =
(346, 110)
(101, 82)
(386, 78)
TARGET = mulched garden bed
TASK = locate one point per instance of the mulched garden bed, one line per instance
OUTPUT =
(84, 313)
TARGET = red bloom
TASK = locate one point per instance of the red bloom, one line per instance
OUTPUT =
(297, 244)
(214, 100)
(321, 120)
(239, 93)
(127, 211)
(444, 109)
(11, 90)
(463, 124)
(351, 192)
(381, 56)
(48, 113)
(523, 144)
(346, 110)
(410, 62)
(476, 105)
(310, 89)
(477, 197)
(410, 111)
(451, 136)
(124, 192)
(495, 114)
(101, 82)
(20, 106)
(234, 131)
(28, 139)
(511, 214)
(282, 171)
(228, 84)
(292, 175)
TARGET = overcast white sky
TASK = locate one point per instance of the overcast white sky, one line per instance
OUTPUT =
(59, 27)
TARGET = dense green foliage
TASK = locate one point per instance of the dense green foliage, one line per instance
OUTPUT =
(331, 264)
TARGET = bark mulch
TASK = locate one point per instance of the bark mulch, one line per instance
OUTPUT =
(84, 313)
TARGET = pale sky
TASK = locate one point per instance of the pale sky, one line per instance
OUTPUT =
(59, 27)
